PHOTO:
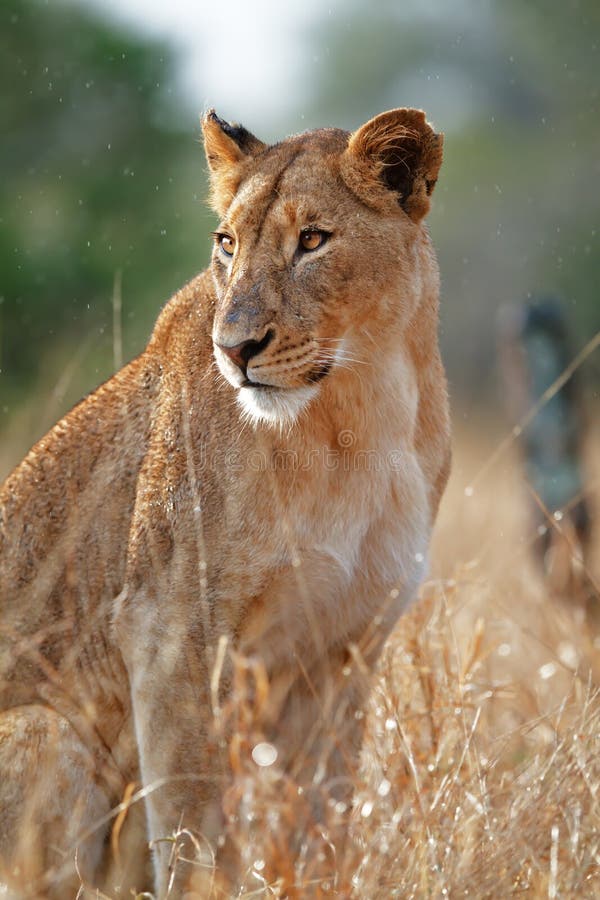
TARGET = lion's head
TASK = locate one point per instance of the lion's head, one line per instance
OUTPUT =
(316, 248)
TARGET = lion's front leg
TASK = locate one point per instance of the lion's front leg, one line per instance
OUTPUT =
(180, 762)
(319, 723)
(319, 677)
(294, 813)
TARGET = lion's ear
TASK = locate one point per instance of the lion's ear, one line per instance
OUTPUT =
(400, 151)
(227, 148)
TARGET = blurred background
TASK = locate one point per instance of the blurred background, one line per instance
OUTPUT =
(102, 211)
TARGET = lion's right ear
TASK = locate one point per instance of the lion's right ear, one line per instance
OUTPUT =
(397, 151)
(227, 148)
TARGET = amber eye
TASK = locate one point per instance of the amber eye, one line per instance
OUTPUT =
(312, 239)
(226, 243)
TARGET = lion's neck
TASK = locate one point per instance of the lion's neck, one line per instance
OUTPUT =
(370, 403)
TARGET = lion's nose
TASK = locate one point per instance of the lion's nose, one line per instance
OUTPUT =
(242, 353)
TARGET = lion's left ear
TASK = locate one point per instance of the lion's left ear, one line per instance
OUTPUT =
(227, 148)
(397, 150)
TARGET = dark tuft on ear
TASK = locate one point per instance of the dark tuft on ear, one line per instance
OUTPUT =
(397, 150)
(244, 139)
(228, 146)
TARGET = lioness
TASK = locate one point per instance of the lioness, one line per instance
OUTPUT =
(262, 479)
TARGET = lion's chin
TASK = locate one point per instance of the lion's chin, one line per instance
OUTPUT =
(275, 406)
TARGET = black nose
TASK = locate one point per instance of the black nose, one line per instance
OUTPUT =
(241, 354)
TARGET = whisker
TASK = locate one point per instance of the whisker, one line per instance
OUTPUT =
(340, 359)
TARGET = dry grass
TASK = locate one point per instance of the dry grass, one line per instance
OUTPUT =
(482, 757)
(484, 733)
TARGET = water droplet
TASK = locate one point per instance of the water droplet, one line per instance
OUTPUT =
(568, 654)
(384, 787)
(264, 754)
(547, 670)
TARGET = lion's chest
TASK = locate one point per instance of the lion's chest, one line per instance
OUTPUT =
(340, 535)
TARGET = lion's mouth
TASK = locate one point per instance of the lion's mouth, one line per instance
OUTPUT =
(246, 383)
(319, 373)
(312, 377)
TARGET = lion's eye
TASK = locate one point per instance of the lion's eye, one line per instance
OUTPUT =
(312, 239)
(226, 243)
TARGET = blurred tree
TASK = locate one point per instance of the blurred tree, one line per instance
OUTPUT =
(558, 50)
(98, 177)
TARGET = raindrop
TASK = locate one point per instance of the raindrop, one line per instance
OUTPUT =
(264, 754)
(547, 670)
(568, 654)
(384, 787)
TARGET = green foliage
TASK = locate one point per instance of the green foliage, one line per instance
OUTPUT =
(99, 177)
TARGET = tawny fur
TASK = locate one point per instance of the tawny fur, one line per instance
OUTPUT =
(170, 508)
